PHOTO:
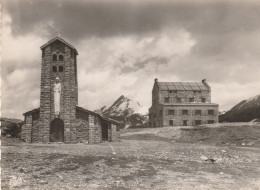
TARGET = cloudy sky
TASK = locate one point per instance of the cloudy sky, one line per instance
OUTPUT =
(124, 44)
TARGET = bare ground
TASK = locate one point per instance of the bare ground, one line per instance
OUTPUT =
(143, 159)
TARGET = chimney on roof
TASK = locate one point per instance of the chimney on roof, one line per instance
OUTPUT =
(155, 80)
(204, 81)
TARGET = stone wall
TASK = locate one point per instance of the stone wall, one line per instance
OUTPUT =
(27, 129)
(179, 100)
(69, 88)
(35, 126)
(95, 135)
(82, 131)
(114, 133)
(79, 124)
(184, 96)
(35, 131)
(178, 117)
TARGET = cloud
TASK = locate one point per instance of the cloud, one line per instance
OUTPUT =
(124, 45)
(112, 18)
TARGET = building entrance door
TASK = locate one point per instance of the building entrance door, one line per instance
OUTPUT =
(57, 130)
(105, 131)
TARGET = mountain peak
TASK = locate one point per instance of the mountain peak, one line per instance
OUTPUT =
(244, 111)
(126, 109)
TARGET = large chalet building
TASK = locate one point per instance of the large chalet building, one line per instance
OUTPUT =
(182, 104)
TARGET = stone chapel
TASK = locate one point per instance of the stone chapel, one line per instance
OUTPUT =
(59, 118)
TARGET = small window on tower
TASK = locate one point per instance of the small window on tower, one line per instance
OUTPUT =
(60, 57)
(166, 100)
(60, 69)
(54, 69)
(178, 100)
(54, 58)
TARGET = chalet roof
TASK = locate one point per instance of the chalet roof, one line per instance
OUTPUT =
(195, 86)
(60, 39)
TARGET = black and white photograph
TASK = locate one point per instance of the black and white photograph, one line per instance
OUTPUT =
(130, 94)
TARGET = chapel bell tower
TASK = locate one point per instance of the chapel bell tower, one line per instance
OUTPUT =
(59, 91)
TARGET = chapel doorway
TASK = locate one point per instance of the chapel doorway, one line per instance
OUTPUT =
(57, 130)
(104, 127)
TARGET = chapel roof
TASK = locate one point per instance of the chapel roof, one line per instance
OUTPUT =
(61, 40)
(97, 114)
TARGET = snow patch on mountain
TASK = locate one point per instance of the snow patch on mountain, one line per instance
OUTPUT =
(124, 105)
(245, 111)
(127, 111)
(250, 102)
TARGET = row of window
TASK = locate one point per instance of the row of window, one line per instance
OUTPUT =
(179, 100)
(175, 91)
(196, 122)
(186, 123)
(55, 57)
(57, 69)
(184, 112)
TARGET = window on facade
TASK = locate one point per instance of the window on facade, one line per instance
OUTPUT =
(191, 99)
(179, 100)
(197, 122)
(54, 68)
(171, 122)
(166, 100)
(184, 112)
(170, 112)
(160, 112)
(210, 112)
(54, 57)
(154, 115)
(60, 57)
(60, 69)
(170, 91)
(197, 112)
(185, 122)
(203, 100)
(211, 121)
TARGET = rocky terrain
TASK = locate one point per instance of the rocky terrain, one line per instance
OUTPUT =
(10, 126)
(246, 110)
(208, 157)
(131, 113)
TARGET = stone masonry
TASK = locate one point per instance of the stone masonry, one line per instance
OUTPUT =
(73, 124)
(182, 104)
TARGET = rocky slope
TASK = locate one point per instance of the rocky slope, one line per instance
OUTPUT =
(246, 110)
(127, 111)
(11, 126)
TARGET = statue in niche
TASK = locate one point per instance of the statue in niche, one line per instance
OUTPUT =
(57, 93)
